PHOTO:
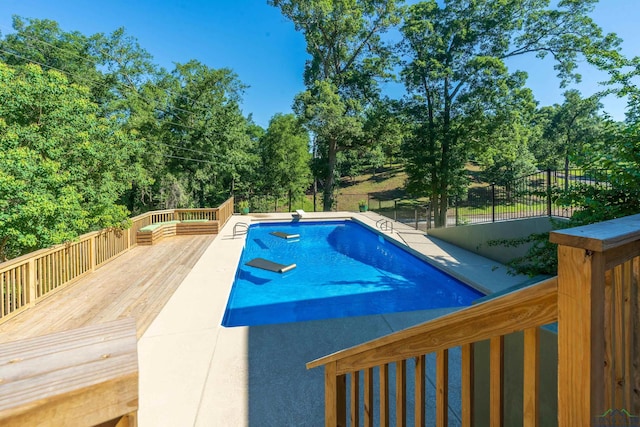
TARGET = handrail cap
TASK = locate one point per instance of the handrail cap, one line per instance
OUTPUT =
(601, 236)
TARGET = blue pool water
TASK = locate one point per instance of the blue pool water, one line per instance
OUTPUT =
(343, 269)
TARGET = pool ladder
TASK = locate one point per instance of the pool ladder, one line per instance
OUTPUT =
(384, 225)
(240, 229)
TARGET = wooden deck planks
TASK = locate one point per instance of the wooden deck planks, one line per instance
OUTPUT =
(136, 284)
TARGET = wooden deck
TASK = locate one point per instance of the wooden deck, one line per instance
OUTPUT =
(136, 284)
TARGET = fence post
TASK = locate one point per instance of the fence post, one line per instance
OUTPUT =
(457, 199)
(416, 215)
(395, 210)
(549, 192)
(493, 202)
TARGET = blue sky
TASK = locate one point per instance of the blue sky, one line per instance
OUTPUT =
(263, 48)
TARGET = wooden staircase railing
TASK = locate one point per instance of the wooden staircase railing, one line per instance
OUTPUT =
(596, 303)
(526, 309)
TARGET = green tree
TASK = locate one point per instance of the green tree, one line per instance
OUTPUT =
(334, 129)
(457, 78)
(570, 129)
(284, 150)
(62, 167)
(121, 78)
(205, 137)
(347, 59)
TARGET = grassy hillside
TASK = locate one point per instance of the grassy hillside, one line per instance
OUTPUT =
(386, 184)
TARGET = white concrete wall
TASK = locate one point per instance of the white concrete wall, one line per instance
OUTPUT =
(474, 237)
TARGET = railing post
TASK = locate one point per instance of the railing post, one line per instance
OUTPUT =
(580, 335)
(493, 203)
(581, 319)
(335, 394)
(549, 192)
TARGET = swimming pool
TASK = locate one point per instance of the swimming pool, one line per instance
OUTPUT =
(342, 269)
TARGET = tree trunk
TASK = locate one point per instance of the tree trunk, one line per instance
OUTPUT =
(329, 183)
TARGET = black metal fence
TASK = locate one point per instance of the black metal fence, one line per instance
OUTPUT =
(535, 195)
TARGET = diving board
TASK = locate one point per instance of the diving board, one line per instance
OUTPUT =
(284, 235)
(265, 264)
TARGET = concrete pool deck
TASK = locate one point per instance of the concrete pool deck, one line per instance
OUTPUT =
(195, 372)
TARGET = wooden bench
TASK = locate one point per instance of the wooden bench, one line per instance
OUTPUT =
(80, 377)
(152, 233)
(197, 226)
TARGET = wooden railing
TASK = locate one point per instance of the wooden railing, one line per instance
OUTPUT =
(25, 280)
(595, 302)
(599, 323)
(525, 309)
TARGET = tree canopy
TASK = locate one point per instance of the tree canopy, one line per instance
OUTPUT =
(348, 57)
(63, 166)
(460, 87)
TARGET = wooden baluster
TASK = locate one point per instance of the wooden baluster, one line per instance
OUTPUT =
(368, 397)
(384, 395)
(31, 282)
(19, 286)
(531, 377)
(420, 394)
(401, 393)
(3, 297)
(355, 398)
(467, 371)
(496, 373)
(442, 388)
(14, 289)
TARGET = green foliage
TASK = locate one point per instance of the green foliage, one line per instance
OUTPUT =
(568, 131)
(62, 167)
(461, 90)
(284, 150)
(210, 148)
(328, 117)
(347, 59)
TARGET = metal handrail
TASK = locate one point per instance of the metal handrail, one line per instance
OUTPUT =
(384, 224)
(240, 232)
